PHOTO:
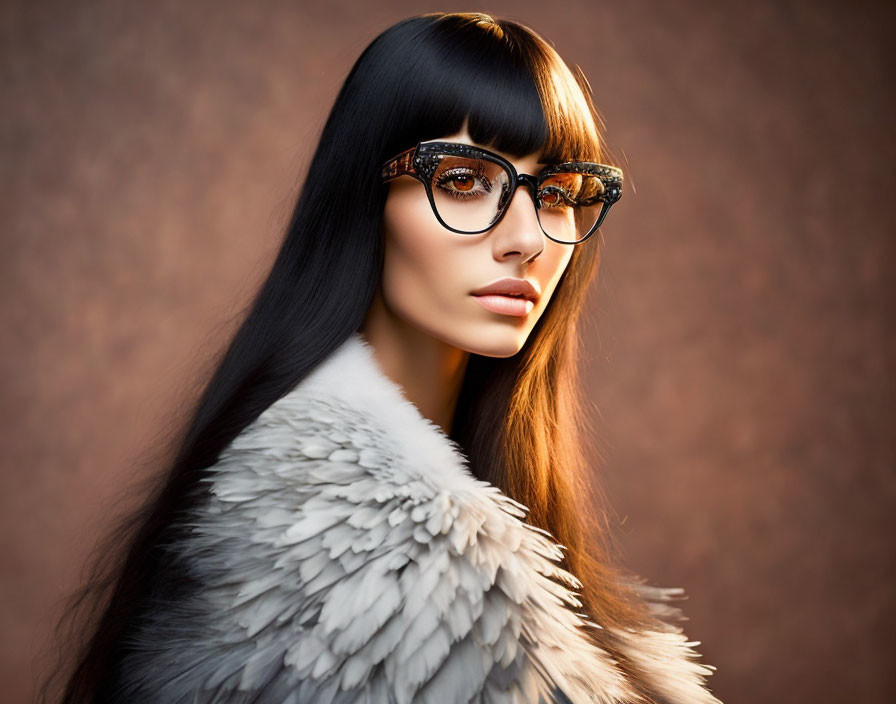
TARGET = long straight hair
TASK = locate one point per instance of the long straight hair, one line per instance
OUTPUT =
(520, 420)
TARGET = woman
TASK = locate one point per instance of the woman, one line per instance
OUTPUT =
(381, 496)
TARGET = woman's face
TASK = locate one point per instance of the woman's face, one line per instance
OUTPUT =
(430, 272)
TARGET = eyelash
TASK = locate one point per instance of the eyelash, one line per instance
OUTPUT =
(448, 175)
(460, 195)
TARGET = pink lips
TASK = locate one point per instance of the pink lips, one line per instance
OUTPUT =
(509, 296)
(507, 305)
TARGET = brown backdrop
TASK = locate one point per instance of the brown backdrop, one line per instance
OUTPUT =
(741, 347)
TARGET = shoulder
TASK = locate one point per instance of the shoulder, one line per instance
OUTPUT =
(348, 425)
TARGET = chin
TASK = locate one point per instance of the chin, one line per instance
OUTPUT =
(498, 343)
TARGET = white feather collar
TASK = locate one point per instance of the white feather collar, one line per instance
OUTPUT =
(347, 554)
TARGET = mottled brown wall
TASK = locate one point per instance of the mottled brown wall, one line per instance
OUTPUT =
(741, 351)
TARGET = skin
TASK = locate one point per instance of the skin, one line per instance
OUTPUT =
(424, 323)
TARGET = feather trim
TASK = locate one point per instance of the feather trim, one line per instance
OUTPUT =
(347, 554)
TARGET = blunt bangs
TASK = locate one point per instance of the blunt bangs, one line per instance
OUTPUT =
(513, 89)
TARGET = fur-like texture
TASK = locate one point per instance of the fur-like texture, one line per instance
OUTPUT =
(347, 554)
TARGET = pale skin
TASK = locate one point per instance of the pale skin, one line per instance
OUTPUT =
(424, 323)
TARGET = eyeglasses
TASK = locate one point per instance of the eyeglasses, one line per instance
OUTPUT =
(469, 189)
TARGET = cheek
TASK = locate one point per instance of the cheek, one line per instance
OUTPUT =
(420, 258)
(554, 260)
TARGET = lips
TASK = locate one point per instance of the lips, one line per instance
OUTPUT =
(517, 288)
(509, 296)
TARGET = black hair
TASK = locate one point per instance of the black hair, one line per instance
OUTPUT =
(420, 79)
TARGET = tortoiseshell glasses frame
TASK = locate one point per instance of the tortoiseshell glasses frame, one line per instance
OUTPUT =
(422, 160)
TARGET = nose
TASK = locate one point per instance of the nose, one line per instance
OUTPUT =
(518, 233)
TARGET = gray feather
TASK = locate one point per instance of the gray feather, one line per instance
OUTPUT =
(346, 554)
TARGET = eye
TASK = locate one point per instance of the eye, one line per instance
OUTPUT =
(564, 189)
(460, 182)
(554, 197)
(463, 183)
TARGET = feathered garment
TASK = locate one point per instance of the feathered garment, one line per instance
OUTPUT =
(346, 553)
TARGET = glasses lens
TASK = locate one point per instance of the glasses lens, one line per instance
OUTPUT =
(570, 204)
(469, 190)
(466, 190)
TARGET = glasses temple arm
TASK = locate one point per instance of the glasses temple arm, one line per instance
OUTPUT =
(399, 165)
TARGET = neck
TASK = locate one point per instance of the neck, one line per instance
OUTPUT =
(429, 370)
